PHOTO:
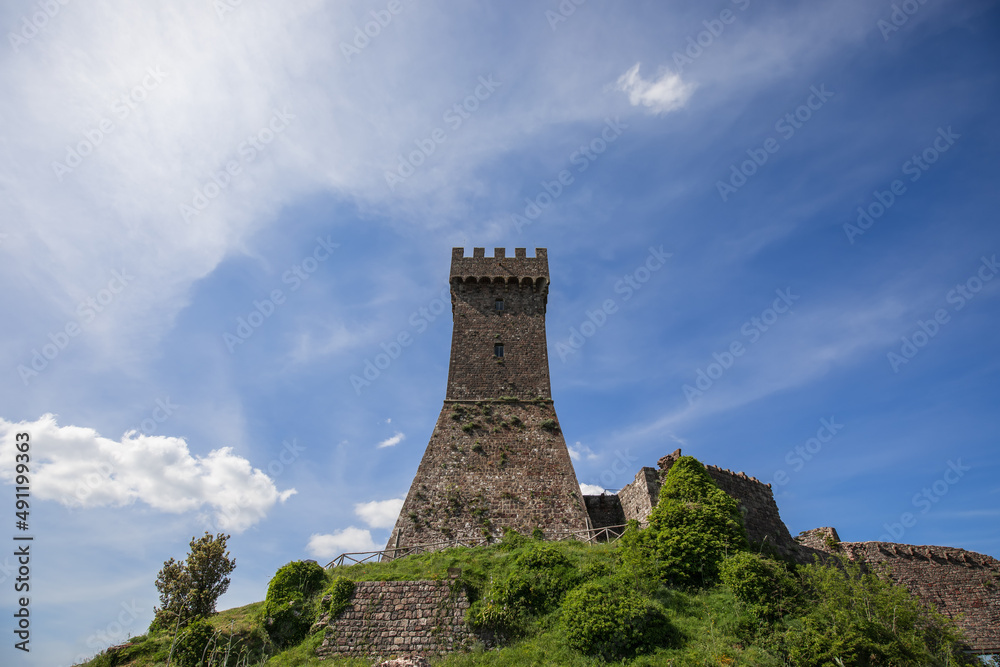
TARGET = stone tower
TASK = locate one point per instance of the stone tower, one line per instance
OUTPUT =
(497, 458)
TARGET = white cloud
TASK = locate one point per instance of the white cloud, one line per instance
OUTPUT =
(579, 450)
(391, 442)
(380, 513)
(663, 95)
(591, 489)
(348, 540)
(78, 468)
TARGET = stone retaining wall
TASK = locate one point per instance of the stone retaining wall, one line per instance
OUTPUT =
(388, 619)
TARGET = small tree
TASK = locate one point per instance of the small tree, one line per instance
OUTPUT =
(189, 589)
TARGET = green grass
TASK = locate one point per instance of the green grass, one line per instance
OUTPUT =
(707, 621)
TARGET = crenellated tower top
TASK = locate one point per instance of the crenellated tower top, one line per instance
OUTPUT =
(519, 269)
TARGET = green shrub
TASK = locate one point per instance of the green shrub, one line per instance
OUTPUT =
(763, 588)
(195, 645)
(550, 425)
(512, 540)
(860, 618)
(340, 592)
(693, 527)
(606, 619)
(536, 583)
(287, 612)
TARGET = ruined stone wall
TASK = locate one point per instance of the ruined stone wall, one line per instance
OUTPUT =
(756, 502)
(639, 497)
(963, 585)
(388, 619)
(488, 466)
(604, 510)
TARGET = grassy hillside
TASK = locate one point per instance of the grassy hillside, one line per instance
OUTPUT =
(710, 626)
(686, 590)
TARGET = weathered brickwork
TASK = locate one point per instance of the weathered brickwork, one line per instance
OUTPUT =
(388, 619)
(639, 498)
(963, 585)
(496, 458)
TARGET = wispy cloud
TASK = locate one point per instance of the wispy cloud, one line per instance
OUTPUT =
(667, 93)
(391, 442)
(579, 451)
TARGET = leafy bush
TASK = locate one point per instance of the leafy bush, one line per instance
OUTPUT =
(512, 540)
(536, 583)
(606, 619)
(194, 647)
(287, 612)
(340, 592)
(764, 589)
(693, 527)
(860, 618)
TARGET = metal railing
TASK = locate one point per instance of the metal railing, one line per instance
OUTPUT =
(607, 534)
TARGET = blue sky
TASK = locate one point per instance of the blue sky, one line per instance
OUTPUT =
(822, 178)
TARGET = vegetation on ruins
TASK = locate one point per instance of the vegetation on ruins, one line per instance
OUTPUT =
(685, 590)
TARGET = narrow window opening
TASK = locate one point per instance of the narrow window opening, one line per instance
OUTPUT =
(498, 305)
(498, 350)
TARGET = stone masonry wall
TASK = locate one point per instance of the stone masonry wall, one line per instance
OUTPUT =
(477, 283)
(388, 619)
(963, 585)
(496, 458)
(639, 497)
(489, 466)
(604, 510)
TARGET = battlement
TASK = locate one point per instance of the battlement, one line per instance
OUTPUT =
(499, 268)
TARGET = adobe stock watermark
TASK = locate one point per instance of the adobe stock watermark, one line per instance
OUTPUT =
(226, 515)
(419, 321)
(121, 109)
(264, 308)
(714, 27)
(622, 465)
(752, 329)
(958, 296)
(381, 18)
(32, 24)
(87, 484)
(115, 632)
(797, 457)
(581, 158)
(86, 312)
(597, 318)
(786, 126)
(925, 499)
(163, 411)
(454, 117)
(247, 152)
(563, 11)
(898, 17)
(225, 7)
(914, 168)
